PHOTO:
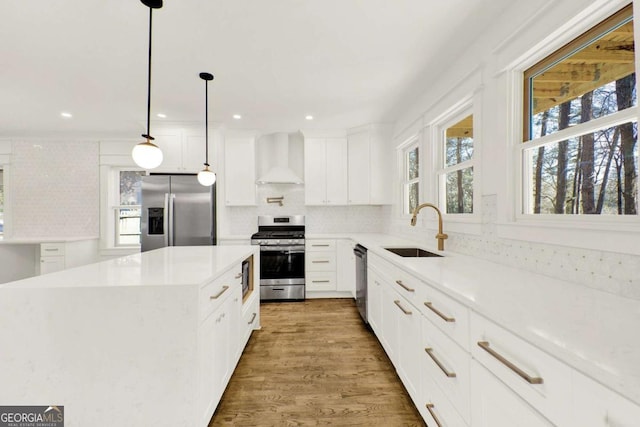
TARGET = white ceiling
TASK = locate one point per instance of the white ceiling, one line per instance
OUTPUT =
(346, 62)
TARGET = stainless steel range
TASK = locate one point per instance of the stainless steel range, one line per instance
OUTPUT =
(281, 240)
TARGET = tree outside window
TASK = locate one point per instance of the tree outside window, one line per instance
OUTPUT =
(411, 178)
(128, 212)
(458, 167)
(580, 141)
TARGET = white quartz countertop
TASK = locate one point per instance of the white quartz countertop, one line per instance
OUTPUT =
(594, 331)
(178, 265)
(37, 241)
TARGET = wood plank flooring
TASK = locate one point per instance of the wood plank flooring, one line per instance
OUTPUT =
(314, 363)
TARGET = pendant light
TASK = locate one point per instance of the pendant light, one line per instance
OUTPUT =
(206, 177)
(147, 155)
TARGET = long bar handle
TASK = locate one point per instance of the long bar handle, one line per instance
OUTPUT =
(405, 287)
(444, 317)
(319, 246)
(430, 408)
(321, 262)
(224, 289)
(171, 219)
(253, 318)
(165, 220)
(449, 374)
(405, 311)
(239, 275)
(528, 378)
(320, 281)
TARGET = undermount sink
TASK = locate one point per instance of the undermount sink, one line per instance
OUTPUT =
(412, 252)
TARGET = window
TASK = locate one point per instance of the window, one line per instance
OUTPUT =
(456, 173)
(128, 211)
(411, 178)
(580, 154)
(1, 203)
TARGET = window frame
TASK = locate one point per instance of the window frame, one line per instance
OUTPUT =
(113, 206)
(521, 79)
(580, 231)
(411, 144)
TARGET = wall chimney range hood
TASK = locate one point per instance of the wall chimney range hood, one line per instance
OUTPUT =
(279, 172)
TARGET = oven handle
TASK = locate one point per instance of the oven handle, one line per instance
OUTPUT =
(299, 249)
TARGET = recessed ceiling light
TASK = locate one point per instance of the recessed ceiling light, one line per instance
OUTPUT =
(66, 115)
(237, 116)
(162, 115)
(309, 117)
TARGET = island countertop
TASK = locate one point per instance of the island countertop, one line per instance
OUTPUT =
(177, 265)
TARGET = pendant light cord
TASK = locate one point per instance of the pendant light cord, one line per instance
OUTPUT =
(206, 122)
(148, 135)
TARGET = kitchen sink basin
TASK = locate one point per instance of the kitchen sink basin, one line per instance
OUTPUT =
(412, 252)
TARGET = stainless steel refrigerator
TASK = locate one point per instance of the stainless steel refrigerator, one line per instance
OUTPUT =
(177, 211)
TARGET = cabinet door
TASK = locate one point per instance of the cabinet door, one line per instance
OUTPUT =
(240, 172)
(374, 301)
(171, 145)
(315, 172)
(359, 158)
(389, 338)
(408, 346)
(51, 264)
(380, 173)
(346, 265)
(336, 161)
(194, 153)
(495, 405)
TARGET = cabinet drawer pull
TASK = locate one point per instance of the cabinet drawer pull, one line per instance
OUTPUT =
(321, 262)
(52, 250)
(397, 302)
(253, 318)
(449, 374)
(528, 378)
(444, 317)
(430, 408)
(320, 281)
(319, 246)
(239, 275)
(224, 289)
(399, 282)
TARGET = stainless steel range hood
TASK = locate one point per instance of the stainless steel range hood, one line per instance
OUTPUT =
(279, 171)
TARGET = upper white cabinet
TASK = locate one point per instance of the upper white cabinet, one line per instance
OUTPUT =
(369, 151)
(325, 171)
(240, 170)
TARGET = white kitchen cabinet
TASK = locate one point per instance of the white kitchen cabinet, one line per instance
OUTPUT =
(320, 265)
(239, 171)
(369, 177)
(346, 266)
(407, 329)
(596, 406)
(325, 171)
(182, 152)
(374, 301)
(495, 405)
(359, 169)
(57, 256)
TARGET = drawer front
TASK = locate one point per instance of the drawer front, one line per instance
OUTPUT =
(596, 406)
(436, 409)
(52, 249)
(402, 282)
(541, 380)
(320, 245)
(446, 314)
(448, 366)
(321, 281)
(320, 261)
(215, 293)
(250, 319)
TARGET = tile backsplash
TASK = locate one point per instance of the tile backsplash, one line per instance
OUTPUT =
(319, 219)
(611, 272)
(55, 189)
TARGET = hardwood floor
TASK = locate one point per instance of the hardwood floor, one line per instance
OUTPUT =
(314, 363)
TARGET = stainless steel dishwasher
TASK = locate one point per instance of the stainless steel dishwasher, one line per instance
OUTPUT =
(361, 280)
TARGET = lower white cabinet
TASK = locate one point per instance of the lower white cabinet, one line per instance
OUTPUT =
(56, 256)
(346, 266)
(495, 405)
(374, 302)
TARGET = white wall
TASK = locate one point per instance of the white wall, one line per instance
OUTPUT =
(521, 36)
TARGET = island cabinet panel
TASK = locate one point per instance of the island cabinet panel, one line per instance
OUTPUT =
(154, 335)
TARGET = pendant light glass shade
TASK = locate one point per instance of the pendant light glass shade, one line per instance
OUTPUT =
(206, 177)
(147, 155)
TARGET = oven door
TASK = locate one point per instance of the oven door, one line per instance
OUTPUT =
(282, 265)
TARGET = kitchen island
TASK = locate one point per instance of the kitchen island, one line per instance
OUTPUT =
(147, 339)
